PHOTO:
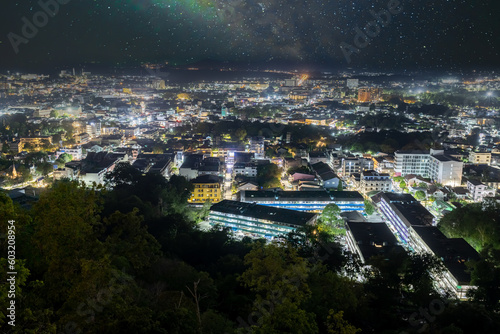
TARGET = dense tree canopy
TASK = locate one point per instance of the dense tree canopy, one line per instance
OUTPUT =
(130, 258)
(478, 223)
(268, 176)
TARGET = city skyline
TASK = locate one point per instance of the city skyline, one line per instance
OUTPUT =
(261, 166)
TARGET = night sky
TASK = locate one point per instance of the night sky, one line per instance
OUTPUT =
(422, 34)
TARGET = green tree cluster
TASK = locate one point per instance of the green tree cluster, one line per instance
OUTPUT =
(269, 176)
(130, 258)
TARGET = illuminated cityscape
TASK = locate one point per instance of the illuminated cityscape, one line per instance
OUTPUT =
(240, 166)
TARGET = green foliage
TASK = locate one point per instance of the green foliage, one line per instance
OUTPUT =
(279, 277)
(486, 276)
(240, 135)
(127, 237)
(64, 158)
(268, 176)
(89, 262)
(199, 215)
(369, 208)
(419, 195)
(337, 325)
(423, 185)
(357, 147)
(331, 214)
(399, 179)
(273, 268)
(45, 168)
(478, 223)
(152, 194)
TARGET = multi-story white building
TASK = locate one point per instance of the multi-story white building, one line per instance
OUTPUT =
(478, 191)
(411, 162)
(355, 165)
(445, 170)
(480, 158)
(373, 181)
(246, 169)
(93, 128)
(433, 164)
(257, 146)
(76, 152)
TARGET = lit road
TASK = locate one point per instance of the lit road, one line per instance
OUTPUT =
(227, 185)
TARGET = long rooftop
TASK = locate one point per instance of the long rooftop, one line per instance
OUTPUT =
(294, 196)
(454, 252)
(281, 216)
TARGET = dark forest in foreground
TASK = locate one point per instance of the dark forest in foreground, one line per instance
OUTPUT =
(132, 260)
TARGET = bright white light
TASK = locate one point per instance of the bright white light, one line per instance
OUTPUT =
(489, 94)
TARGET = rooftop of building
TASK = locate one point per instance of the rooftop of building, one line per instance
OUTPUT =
(412, 214)
(372, 173)
(374, 239)
(316, 154)
(454, 252)
(420, 152)
(293, 196)
(398, 198)
(474, 182)
(278, 215)
(445, 158)
(353, 216)
(192, 161)
(207, 179)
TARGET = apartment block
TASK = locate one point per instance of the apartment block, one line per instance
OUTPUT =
(258, 221)
(433, 164)
(373, 181)
(453, 252)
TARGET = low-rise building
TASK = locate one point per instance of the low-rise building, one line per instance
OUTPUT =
(356, 165)
(190, 165)
(206, 188)
(75, 152)
(312, 201)
(453, 252)
(315, 157)
(247, 186)
(433, 164)
(403, 211)
(373, 181)
(445, 170)
(328, 178)
(478, 191)
(480, 158)
(248, 169)
(257, 146)
(257, 221)
(210, 166)
(367, 240)
(82, 138)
